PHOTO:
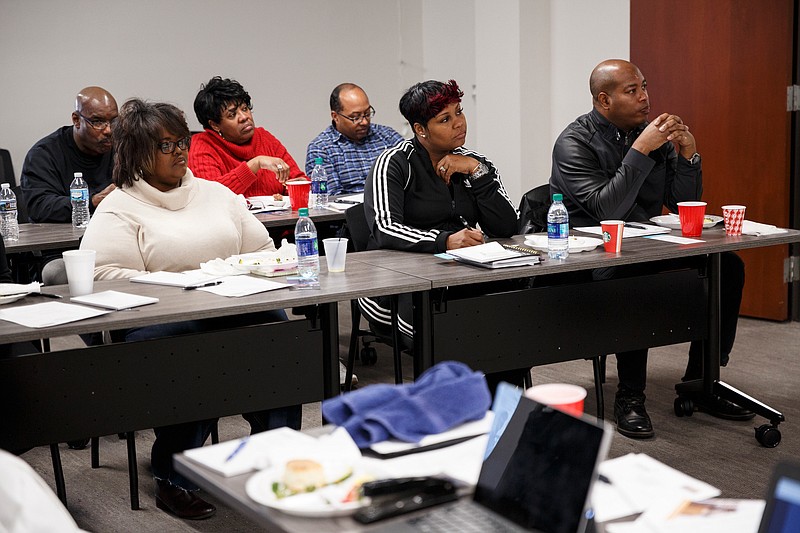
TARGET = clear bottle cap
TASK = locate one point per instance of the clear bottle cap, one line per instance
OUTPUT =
(5, 186)
(78, 175)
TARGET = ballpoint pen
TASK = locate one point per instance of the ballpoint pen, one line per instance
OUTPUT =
(637, 226)
(238, 448)
(209, 284)
(464, 222)
(45, 295)
(347, 202)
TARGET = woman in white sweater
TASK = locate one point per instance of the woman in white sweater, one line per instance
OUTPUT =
(162, 218)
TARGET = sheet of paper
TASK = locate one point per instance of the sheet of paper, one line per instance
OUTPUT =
(114, 300)
(274, 447)
(235, 286)
(638, 481)
(49, 314)
(7, 289)
(675, 238)
(717, 515)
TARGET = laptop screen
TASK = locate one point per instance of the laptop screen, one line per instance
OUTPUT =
(782, 513)
(540, 472)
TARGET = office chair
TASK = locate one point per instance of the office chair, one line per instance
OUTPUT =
(533, 209)
(358, 231)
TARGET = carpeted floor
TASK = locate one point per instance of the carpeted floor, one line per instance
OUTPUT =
(764, 364)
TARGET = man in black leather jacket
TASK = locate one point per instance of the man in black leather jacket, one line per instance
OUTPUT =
(612, 164)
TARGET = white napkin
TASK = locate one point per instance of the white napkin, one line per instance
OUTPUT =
(756, 228)
(7, 289)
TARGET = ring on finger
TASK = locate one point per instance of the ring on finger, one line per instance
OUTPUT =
(442, 169)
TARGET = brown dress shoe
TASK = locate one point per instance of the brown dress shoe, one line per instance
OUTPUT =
(182, 503)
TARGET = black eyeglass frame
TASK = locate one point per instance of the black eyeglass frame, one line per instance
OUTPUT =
(355, 120)
(168, 147)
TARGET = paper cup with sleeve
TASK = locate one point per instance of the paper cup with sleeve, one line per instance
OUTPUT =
(335, 253)
(612, 235)
(298, 193)
(563, 396)
(79, 265)
(734, 217)
(691, 215)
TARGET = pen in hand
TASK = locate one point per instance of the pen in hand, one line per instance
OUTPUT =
(465, 223)
(238, 448)
(209, 284)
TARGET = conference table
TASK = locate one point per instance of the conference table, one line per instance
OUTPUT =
(41, 237)
(60, 396)
(578, 318)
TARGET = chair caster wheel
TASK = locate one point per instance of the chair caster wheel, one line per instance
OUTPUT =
(768, 435)
(369, 356)
(683, 407)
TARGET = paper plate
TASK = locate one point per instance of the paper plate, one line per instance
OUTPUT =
(576, 244)
(322, 502)
(11, 298)
(672, 221)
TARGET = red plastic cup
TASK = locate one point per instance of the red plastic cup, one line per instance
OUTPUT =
(734, 216)
(298, 193)
(562, 396)
(691, 215)
(612, 235)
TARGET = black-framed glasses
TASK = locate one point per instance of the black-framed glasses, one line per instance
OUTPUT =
(168, 147)
(358, 118)
(98, 124)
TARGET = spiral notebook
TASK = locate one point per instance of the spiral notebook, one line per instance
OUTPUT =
(496, 255)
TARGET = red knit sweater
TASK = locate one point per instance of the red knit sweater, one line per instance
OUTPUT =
(213, 158)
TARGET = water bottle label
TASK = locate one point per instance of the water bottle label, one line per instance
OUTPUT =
(6, 206)
(79, 195)
(306, 247)
(557, 231)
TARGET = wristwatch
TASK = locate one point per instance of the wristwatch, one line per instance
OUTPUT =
(694, 159)
(480, 171)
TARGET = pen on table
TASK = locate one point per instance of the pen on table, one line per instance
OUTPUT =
(209, 284)
(346, 202)
(637, 226)
(238, 448)
(45, 295)
(604, 479)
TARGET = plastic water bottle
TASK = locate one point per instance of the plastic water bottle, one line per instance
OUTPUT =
(557, 229)
(319, 184)
(9, 226)
(79, 195)
(305, 238)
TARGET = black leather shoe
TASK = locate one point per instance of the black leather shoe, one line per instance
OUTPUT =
(721, 408)
(78, 444)
(182, 503)
(631, 416)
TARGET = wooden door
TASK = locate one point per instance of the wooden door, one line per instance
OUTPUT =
(724, 68)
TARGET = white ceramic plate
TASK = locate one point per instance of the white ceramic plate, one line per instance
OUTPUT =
(323, 502)
(576, 244)
(11, 298)
(672, 221)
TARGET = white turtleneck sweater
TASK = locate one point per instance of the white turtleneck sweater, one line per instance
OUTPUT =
(140, 229)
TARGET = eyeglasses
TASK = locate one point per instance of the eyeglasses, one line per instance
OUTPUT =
(99, 124)
(358, 118)
(168, 147)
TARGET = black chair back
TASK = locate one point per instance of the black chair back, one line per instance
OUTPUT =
(533, 210)
(356, 220)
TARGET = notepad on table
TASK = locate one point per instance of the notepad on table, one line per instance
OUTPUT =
(496, 255)
(192, 278)
(114, 300)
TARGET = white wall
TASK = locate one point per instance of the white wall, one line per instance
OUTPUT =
(523, 64)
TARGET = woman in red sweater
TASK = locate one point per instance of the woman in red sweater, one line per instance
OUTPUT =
(232, 150)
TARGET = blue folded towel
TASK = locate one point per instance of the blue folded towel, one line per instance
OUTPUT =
(444, 396)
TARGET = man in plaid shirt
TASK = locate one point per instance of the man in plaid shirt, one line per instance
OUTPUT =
(350, 145)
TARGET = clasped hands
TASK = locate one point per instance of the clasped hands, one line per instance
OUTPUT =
(665, 128)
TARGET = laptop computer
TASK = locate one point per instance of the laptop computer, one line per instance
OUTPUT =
(538, 477)
(782, 512)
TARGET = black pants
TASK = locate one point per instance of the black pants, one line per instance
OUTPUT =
(179, 437)
(632, 366)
